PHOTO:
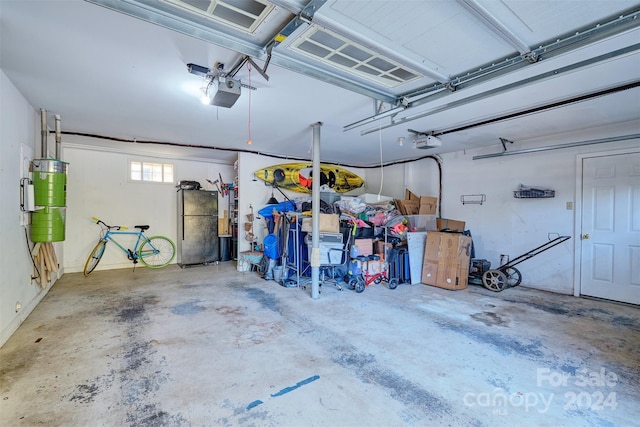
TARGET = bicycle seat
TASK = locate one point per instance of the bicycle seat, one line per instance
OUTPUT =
(142, 227)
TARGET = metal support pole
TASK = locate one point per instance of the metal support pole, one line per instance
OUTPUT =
(315, 212)
(58, 137)
(43, 133)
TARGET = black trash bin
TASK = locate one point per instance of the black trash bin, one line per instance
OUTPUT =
(225, 248)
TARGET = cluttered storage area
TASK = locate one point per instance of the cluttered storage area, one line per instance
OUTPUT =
(388, 242)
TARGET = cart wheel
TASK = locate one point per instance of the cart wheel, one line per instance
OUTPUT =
(360, 286)
(393, 283)
(494, 280)
(351, 284)
(378, 280)
(514, 278)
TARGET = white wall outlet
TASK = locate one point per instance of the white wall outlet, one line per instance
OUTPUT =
(18, 306)
(569, 206)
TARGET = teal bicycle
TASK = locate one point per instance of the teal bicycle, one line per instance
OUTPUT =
(153, 252)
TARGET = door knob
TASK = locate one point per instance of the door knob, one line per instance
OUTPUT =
(584, 236)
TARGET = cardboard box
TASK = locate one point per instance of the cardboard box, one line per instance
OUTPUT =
(373, 267)
(416, 205)
(407, 207)
(446, 224)
(380, 249)
(365, 246)
(446, 260)
(329, 223)
(428, 205)
(408, 195)
(223, 224)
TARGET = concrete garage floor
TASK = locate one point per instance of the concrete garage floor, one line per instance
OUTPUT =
(210, 346)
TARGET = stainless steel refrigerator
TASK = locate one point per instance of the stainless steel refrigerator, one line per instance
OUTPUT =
(197, 227)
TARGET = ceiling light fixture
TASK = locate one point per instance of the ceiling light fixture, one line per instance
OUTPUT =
(204, 92)
(227, 87)
(219, 88)
(422, 140)
(204, 98)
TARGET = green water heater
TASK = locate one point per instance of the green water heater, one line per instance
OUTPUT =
(49, 178)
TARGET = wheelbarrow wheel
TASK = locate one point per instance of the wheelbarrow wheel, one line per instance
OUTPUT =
(514, 278)
(494, 280)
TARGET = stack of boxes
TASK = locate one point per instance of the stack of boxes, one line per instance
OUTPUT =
(416, 205)
(447, 251)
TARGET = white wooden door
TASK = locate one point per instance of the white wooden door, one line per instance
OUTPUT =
(610, 265)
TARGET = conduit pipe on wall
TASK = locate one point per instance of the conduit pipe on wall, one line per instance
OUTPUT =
(58, 136)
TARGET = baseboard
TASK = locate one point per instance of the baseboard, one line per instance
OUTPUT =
(24, 313)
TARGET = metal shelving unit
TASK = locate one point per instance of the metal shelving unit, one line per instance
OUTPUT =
(233, 212)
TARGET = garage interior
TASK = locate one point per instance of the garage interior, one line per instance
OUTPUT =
(465, 101)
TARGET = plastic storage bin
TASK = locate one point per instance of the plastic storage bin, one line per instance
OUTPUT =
(330, 245)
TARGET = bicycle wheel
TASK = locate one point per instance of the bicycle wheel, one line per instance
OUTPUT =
(95, 257)
(157, 252)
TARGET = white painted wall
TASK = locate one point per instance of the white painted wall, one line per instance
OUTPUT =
(17, 139)
(420, 177)
(391, 177)
(99, 185)
(505, 225)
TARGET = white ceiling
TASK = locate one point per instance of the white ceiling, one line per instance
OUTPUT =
(111, 74)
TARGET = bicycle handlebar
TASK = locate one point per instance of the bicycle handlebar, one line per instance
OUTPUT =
(115, 227)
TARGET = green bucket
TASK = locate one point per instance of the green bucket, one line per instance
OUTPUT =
(49, 182)
(47, 224)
